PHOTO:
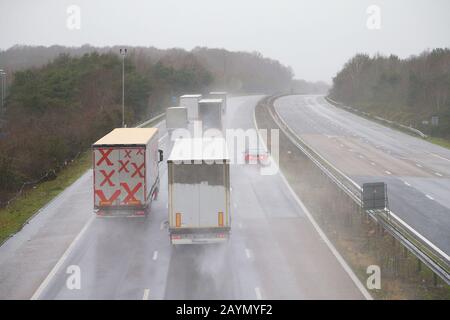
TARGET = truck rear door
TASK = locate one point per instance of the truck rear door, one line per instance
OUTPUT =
(119, 176)
(185, 195)
(212, 196)
(131, 169)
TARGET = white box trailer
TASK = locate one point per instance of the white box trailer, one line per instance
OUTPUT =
(176, 117)
(126, 175)
(190, 101)
(220, 95)
(199, 191)
(210, 114)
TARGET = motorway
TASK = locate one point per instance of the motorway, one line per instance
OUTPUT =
(417, 172)
(275, 251)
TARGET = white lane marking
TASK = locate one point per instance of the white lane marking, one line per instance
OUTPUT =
(333, 250)
(438, 174)
(161, 226)
(361, 156)
(66, 253)
(406, 183)
(330, 246)
(258, 293)
(248, 253)
(240, 225)
(146, 294)
(155, 254)
(419, 165)
(411, 229)
(388, 172)
(429, 197)
(440, 157)
(165, 135)
(61, 261)
(372, 163)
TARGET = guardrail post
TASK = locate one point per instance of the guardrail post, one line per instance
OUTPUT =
(419, 265)
(435, 279)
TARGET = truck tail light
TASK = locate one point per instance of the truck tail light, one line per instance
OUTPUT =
(220, 218)
(178, 219)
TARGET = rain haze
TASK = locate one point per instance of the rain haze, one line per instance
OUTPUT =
(315, 38)
(227, 150)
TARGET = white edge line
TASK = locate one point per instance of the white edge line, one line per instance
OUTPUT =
(428, 242)
(155, 254)
(66, 253)
(61, 261)
(438, 156)
(341, 260)
(164, 135)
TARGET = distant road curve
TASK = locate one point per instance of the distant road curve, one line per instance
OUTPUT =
(416, 171)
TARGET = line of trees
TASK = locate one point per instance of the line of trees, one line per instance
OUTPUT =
(56, 111)
(62, 99)
(233, 71)
(409, 91)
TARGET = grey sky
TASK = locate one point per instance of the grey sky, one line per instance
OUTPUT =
(314, 37)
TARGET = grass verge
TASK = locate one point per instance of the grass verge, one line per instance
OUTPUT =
(439, 141)
(360, 241)
(14, 216)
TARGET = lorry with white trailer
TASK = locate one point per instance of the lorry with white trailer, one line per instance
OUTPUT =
(199, 191)
(220, 95)
(210, 114)
(176, 117)
(126, 173)
(190, 101)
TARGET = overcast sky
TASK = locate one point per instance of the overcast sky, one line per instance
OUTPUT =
(314, 37)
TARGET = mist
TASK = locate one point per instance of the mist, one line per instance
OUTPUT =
(315, 38)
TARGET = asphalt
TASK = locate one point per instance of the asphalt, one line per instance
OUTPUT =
(417, 172)
(275, 252)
